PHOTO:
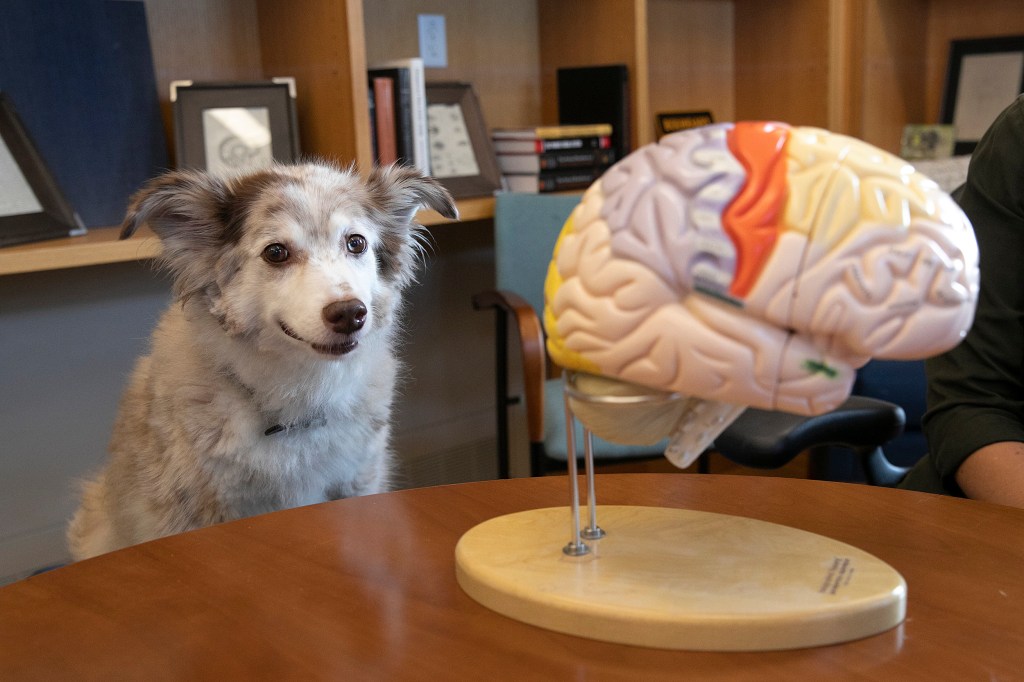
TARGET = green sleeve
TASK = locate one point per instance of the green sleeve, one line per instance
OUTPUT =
(976, 390)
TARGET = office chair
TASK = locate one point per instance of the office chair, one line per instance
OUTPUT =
(861, 424)
(526, 228)
(901, 382)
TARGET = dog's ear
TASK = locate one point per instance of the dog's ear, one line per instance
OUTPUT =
(179, 201)
(187, 211)
(400, 190)
(396, 192)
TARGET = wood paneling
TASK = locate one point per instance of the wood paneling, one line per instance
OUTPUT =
(890, 71)
(321, 45)
(782, 61)
(492, 44)
(574, 33)
(691, 62)
(202, 41)
(952, 19)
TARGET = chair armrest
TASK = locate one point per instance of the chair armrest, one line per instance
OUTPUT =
(765, 439)
(509, 305)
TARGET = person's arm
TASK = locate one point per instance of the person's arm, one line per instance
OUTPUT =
(975, 418)
(994, 473)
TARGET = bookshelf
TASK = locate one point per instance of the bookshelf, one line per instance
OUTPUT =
(862, 67)
(101, 245)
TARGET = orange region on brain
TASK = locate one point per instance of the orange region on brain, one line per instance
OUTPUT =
(753, 219)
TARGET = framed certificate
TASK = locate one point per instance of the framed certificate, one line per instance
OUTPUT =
(461, 156)
(983, 77)
(226, 128)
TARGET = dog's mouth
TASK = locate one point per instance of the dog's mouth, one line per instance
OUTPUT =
(342, 347)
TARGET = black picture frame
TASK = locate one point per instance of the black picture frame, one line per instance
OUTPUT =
(224, 128)
(983, 77)
(32, 206)
(452, 145)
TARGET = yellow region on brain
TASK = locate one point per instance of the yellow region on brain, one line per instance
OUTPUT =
(560, 353)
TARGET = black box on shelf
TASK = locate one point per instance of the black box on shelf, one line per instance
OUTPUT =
(597, 94)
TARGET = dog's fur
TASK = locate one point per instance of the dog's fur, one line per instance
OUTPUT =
(267, 385)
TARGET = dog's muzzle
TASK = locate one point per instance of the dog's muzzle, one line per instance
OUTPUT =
(345, 317)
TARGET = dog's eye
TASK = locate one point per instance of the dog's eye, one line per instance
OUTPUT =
(356, 244)
(275, 253)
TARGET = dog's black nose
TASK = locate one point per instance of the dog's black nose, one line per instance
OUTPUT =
(345, 317)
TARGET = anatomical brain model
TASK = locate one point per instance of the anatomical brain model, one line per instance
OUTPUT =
(753, 264)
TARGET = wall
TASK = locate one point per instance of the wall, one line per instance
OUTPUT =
(68, 339)
(444, 426)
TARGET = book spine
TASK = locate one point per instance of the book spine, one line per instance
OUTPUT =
(419, 149)
(598, 142)
(554, 132)
(403, 117)
(421, 142)
(574, 158)
(553, 181)
(372, 98)
(384, 114)
(541, 146)
(565, 180)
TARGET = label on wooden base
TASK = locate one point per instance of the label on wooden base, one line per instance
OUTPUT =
(680, 579)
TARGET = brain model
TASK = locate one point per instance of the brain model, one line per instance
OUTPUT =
(755, 264)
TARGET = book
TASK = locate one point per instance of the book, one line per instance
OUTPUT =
(385, 138)
(597, 94)
(541, 139)
(552, 181)
(418, 110)
(541, 146)
(552, 132)
(569, 158)
(401, 106)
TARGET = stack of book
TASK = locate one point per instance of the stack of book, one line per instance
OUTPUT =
(553, 158)
(398, 113)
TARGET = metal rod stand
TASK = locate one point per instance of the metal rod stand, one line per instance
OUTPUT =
(576, 546)
(592, 531)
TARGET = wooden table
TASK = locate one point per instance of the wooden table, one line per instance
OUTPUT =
(365, 589)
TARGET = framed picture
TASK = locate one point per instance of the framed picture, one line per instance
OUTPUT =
(32, 207)
(983, 77)
(225, 128)
(461, 156)
(674, 121)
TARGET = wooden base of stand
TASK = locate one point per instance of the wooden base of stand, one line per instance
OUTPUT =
(680, 579)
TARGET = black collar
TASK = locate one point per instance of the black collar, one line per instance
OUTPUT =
(304, 424)
(314, 421)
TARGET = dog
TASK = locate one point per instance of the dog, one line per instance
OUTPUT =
(270, 378)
